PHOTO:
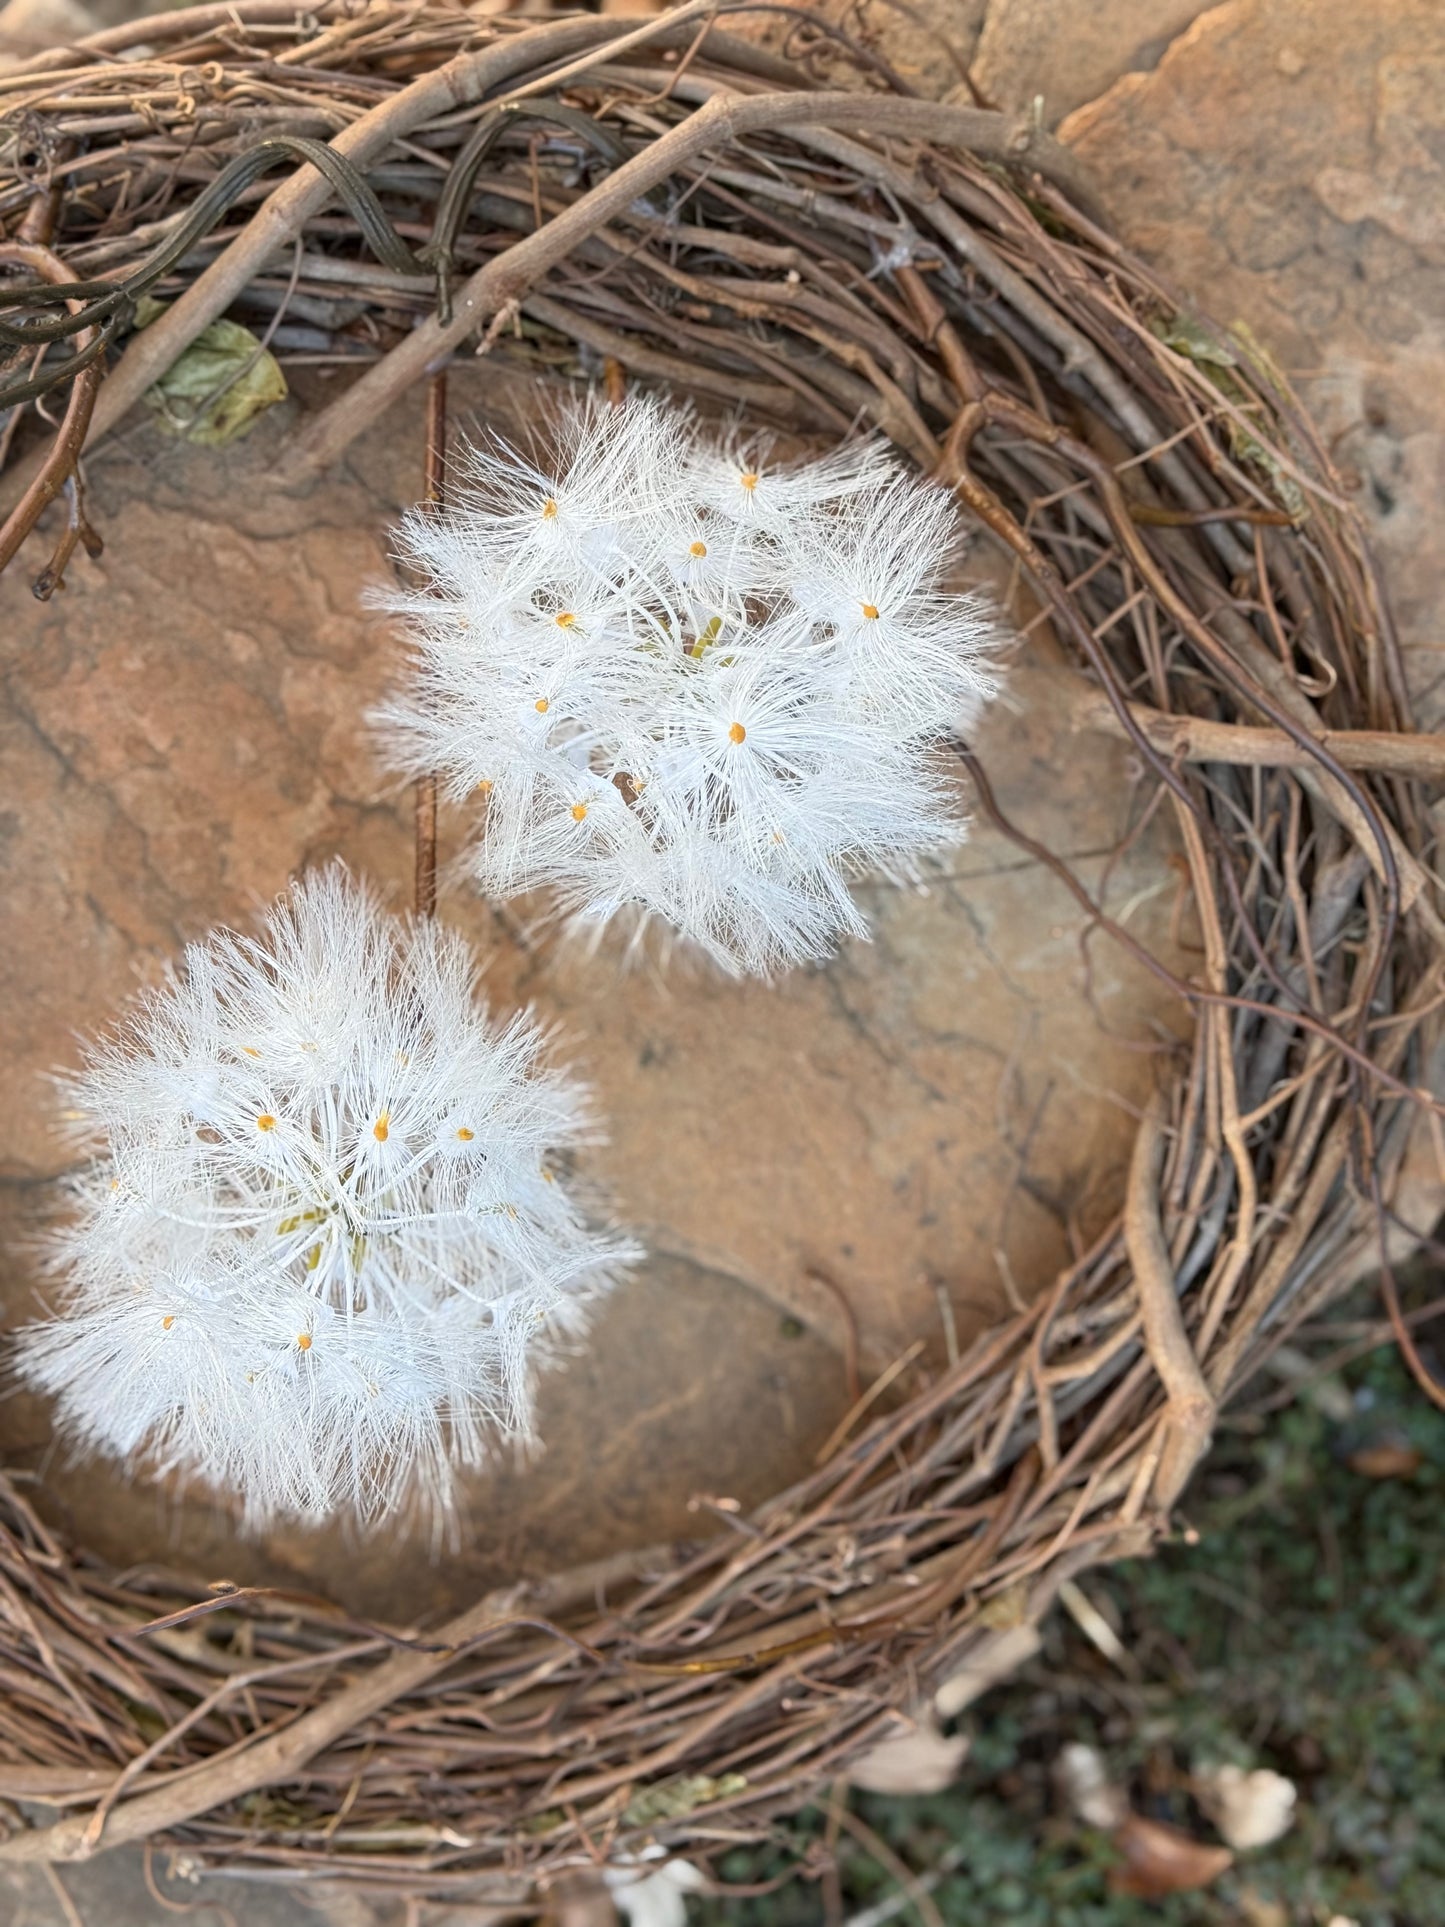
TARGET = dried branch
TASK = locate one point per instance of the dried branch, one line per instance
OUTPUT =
(59, 466)
(1187, 1422)
(1198, 739)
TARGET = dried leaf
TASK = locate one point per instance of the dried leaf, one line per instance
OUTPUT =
(1188, 336)
(995, 1658)
(1087, 1790)
(1092, 1623)
(1249, 1809)
(1386, 1459)
(653, 1899)
(1328, 1395)
(1006, 1609)
(925, 1760)
(1159, 1860)
(213, 391)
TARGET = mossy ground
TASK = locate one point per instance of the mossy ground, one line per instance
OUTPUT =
(1305, 1631)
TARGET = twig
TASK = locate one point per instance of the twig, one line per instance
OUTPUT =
(64, 1901)
(218, 394)
(77, 529)
(60, 461)
(1189, 993)
(466, 78)
(1389, 1290)
(917, 1894)
(1199, 739)
(276, 1756)
(1188, 1418)
(721, 120)
(871, 1397)
(169, 1906)
(852, 1345)
(889, 1908)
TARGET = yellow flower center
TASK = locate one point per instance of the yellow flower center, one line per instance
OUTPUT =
(870, 611)
(381, 1130)
(542, 705)
(579, 810)
(303, 1342)
(464, 1134)
(566, 619)
(549, 509)
(697, 548)
(748, 480)
(265, 1122)
(168, 1321)
(736, 733)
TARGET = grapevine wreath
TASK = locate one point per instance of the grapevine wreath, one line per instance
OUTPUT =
(795, 235)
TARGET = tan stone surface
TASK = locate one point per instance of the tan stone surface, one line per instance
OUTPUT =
(944, 1108)
(1066, 54)
(29, 26)
(928, 44)
(1000, 53)
(1286, 161)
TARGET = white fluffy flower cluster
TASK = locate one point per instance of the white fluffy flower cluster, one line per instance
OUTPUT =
(324, 1240)
(690, 680)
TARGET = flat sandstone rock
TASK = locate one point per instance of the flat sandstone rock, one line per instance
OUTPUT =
(910, 1138)
(1286, 163)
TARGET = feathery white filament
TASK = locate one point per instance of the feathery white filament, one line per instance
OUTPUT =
(690, 680)
(324, 1245)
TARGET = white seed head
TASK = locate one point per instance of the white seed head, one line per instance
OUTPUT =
(690, 679)
(323, 1246)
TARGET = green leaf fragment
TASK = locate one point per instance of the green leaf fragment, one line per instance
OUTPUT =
(545, 1822)
(1216, 356)
(215, 389)
(672, 1799)
(1187, 335)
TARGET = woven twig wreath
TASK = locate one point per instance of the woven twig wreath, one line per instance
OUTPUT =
(736, 225)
